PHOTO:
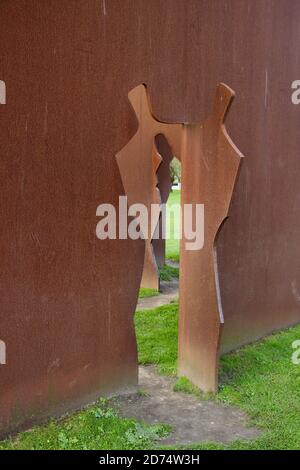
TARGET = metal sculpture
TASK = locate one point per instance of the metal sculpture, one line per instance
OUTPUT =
(138, 162)
(67, 301)
(164, 185)
(209, 163)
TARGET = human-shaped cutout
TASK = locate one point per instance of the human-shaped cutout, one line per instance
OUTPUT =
(138, 162)
(209, 166)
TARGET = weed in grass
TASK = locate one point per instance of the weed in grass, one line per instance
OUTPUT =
(141, 434)
(142, 393)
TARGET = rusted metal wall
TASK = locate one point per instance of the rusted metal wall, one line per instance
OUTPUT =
(164, 185)
(67, 298)
(210, 163)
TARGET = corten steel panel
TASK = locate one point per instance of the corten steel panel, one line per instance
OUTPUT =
(185, 50)
(61, 293)
(164, 185)
(138, 162)
(150, 275)
(210, 163)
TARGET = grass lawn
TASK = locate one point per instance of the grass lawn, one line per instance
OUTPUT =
(260, 378)
(173, 227)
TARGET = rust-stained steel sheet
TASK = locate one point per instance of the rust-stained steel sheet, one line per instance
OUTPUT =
(209, 162)
(164, 185)
(67, 300)
(138, 163)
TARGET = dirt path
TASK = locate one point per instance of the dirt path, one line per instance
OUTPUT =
(193, 421)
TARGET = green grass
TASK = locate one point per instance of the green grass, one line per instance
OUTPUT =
(97, 427)
(157, 337)
(147, 292)
(173, 227)
(260, 378)
(167, 273)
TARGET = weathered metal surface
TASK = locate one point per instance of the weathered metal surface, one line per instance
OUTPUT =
(67, 301)
(138, 162)
(164, 185)
(209, 165)
(66, 298)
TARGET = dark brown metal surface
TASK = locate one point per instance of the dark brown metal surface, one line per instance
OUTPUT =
(209, 163)
(67, 299)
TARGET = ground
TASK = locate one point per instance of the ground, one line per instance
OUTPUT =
(257, 407)
(191, 420)
(173, 226)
